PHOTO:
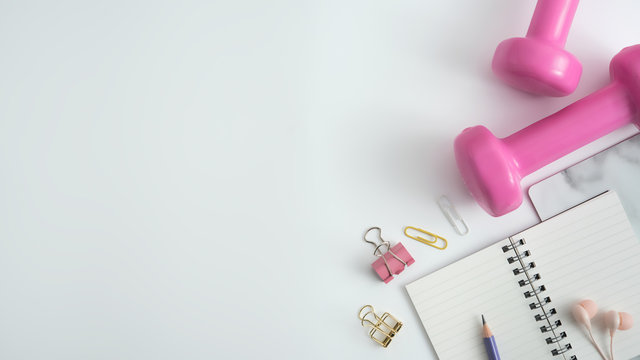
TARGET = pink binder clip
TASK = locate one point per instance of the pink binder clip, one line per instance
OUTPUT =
(392, 261)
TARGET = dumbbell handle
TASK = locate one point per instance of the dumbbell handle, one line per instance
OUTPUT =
(571, 128)
(551, 20)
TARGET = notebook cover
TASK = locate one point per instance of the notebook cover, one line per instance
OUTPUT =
(617, 168)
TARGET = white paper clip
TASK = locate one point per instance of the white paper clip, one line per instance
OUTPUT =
(450, 212)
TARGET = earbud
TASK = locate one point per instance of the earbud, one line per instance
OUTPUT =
(584, 311)
(617, 321)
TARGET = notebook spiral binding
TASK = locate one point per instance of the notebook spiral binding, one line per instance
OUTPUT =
(524, 266)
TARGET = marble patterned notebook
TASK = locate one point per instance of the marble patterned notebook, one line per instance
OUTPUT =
(617, 168)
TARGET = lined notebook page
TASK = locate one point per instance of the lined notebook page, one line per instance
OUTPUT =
(590, 252)
(451, 300)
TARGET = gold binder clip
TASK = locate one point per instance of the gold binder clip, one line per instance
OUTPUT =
(382, 331)
(431, 242)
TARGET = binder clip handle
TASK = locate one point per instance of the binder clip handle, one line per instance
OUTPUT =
(377, 251)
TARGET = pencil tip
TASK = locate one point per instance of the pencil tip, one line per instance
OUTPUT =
(483, 322)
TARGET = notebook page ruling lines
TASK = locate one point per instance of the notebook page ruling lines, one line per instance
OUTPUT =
(451, 300)
(591, 252)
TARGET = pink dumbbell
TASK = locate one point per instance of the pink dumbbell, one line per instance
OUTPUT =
(538, 63)
(492, 167)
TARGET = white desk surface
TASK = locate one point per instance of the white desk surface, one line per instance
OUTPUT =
(191, 180)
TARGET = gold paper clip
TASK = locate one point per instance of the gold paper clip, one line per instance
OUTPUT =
(430, 242)
(382, 331)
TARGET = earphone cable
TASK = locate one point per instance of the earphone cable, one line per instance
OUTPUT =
(593, 341)
(611, 346)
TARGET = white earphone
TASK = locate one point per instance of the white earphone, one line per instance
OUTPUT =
(585, 310)
(617, 321)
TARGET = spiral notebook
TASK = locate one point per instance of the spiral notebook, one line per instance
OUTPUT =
(526, 285)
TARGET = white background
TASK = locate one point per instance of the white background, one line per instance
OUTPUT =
(191, 179)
